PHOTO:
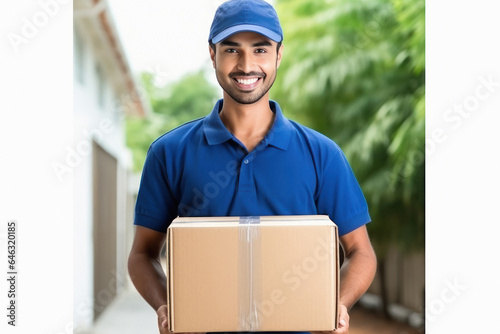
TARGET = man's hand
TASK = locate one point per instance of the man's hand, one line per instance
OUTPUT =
(343, 325)
(344, 317)
(163, 322)
(162, 319)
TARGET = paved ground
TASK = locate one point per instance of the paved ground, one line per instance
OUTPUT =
(130, 314)
(368, 322)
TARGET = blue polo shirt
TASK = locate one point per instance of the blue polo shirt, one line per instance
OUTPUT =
(201, 169)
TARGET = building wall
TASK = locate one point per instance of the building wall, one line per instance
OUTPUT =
(99, 122)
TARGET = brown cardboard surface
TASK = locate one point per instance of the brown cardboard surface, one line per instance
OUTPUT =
(276, 273)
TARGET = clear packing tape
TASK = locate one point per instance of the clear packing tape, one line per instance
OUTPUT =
(249, 274)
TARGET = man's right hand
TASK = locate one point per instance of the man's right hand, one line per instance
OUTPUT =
(162, 319)
(163, 322)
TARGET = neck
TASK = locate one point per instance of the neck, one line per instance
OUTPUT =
(247, 122)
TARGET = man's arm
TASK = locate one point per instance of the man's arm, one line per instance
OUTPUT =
(356, 274)
(359, 267)
(146, 272)
(145, 268)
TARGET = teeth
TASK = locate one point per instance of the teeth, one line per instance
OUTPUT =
(248, 81)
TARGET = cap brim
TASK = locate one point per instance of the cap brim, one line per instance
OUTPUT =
(246, 27)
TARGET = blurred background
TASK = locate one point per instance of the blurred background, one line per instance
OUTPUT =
(352, 70)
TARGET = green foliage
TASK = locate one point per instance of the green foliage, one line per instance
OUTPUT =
(354, 70)
(189, 98)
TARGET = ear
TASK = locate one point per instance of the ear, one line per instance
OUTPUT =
(280, 54)
(212, 55)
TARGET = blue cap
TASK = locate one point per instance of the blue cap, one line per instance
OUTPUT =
(235, 16)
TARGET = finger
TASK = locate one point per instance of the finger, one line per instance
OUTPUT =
(162, 319)
(343, 317)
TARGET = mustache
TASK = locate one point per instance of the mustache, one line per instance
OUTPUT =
(243, 74)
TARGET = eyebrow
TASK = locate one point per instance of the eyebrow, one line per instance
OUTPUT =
(231, 43)
(263, 43)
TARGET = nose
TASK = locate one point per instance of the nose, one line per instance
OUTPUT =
(245, 62)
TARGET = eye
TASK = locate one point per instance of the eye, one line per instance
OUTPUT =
(230, 51)
(260, 50)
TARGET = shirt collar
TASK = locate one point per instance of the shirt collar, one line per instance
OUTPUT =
(215, 131)
(279, 135)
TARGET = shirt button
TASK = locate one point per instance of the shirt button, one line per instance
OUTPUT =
(246, 161)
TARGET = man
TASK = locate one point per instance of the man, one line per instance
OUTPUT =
(246, 159)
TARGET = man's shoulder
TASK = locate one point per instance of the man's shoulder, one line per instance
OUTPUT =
(180, 132)
(314, 138)
(179, 135)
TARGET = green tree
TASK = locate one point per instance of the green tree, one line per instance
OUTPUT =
(189, 98)
(354, 70)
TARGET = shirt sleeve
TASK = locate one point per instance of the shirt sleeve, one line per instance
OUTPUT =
(340, 196)
(156, 206)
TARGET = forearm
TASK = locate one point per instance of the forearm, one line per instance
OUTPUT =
(356, 275)
(149, 279)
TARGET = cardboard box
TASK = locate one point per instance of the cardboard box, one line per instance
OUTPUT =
(273, 273)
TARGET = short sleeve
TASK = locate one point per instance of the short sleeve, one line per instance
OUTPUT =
(340, 196)
(156, 206)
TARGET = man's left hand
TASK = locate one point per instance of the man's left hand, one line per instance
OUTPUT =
(343, 325)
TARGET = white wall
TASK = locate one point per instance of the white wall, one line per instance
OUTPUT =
(104, 124)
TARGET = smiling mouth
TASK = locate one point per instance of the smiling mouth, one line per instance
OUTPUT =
(247, 81)
(247, 84)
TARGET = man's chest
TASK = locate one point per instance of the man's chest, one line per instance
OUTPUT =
(264, 177)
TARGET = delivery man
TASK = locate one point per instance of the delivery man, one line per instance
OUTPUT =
(246, 159)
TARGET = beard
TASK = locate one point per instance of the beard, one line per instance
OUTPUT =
(246, 97)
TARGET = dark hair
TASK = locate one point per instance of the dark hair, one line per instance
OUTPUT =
(212, 45)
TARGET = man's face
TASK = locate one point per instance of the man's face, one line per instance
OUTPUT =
(245, 65)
